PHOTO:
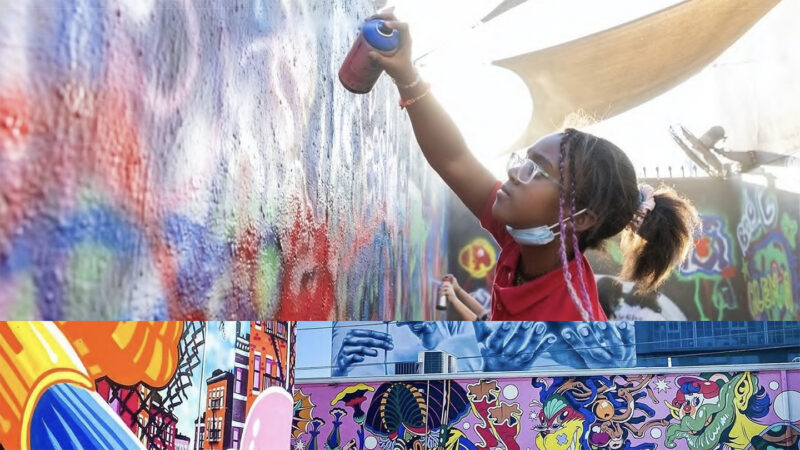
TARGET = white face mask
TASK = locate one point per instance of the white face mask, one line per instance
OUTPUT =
(541, 235)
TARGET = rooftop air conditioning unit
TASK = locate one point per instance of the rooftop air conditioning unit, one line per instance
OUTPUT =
(406, 368)
(433, 362)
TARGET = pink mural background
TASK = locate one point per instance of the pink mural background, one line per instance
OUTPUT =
(199, 160)
(691, 410)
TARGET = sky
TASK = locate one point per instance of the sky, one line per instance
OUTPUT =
(747, 89)
(219, 354)
(314, 349)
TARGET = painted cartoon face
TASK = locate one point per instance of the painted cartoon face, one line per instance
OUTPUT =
(693, 394)
(706, 411)
(604, 410)
(606, 435)
(561, 426)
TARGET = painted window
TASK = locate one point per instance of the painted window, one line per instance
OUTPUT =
(268, 369)
(256, 373)
(236, 437)
(239, 386)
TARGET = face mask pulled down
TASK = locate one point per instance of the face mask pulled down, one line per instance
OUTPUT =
(541, 235)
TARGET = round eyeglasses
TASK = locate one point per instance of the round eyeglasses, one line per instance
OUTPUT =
(525, 169)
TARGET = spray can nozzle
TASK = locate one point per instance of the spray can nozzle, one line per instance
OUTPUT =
(384, 30)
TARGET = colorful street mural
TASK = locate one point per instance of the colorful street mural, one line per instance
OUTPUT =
(375, 348)
(715, 410)
(744, 265)
(199, 160)
(155, 385)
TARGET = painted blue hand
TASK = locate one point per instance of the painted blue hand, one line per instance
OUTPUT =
(512, 345)
(597, 345)
(562, 439)
(357, 345)
(428, 333)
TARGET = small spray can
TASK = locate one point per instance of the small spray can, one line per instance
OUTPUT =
(358, 73)
(441, 305)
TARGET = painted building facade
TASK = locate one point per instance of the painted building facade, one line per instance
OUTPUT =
(268, 357)
(182, 442)
(162, 426)
(240, 378)
(219, 405)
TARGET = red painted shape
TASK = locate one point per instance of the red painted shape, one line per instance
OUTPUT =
(307, 285)
(245, 269)
(14, 122)
(20, 180)
(729, 272)
(703, 247)
(480, 257)
(116, 156)
(464, 258)
(484, 429)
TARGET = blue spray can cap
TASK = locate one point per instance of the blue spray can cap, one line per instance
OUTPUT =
(379, 36)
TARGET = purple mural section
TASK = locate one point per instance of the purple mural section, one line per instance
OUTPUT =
(744, 264)
(736, 410)
(200, 160)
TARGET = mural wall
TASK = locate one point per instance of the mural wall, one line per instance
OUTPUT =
(155, 385)
(375, 348)
(194, 159)
(707, 411)
(744, 265)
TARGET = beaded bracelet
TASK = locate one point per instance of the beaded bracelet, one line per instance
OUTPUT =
(406, 103)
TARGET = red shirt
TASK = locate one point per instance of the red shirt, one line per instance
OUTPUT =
(546, 297)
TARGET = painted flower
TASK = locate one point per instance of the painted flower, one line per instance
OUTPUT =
(354, 396)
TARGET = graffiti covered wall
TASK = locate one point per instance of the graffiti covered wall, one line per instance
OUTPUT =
(187, 159)
(688, 411)
(137, 384)
(744, 265)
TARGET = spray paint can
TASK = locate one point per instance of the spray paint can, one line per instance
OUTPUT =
(358, 73)
(441, 305)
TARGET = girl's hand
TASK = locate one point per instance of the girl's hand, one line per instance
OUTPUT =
(452, 280)
(399, 65)
(446, 289)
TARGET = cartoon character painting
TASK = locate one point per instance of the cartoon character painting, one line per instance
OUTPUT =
(722, 410)
(48, 370)
(594, 413)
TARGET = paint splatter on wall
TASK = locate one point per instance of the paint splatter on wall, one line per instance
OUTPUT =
(186, 159)
(697, 412)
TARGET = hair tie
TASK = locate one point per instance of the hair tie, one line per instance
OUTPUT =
(647, 201)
